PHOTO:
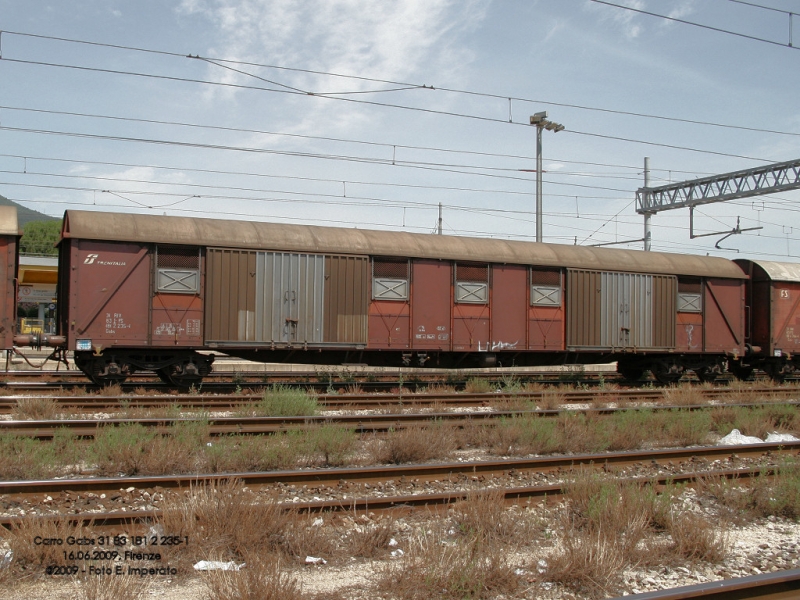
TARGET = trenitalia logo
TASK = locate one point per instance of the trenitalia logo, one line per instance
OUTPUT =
(92, 259)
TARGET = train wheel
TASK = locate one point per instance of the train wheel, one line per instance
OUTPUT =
(666, 373)
(776, 371)
(187, 373)
(741, 372)
(104, 370)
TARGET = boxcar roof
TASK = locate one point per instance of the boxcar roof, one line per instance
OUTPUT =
(337, 240)
(777, 271)
(8, 220)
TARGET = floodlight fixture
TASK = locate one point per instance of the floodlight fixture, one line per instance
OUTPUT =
(540, 120)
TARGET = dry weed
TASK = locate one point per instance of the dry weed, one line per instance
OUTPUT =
(335, 443)
(628, 429)
(588, 561)
(694, 538)
(36, 408)
(415, 444)
(733, 499)
(110, 587)
(684, 427)
(307, 535)
(225, 521)
(30, 558)
(684, 395)
(580, 432)
(484, 514)
(523, 435)
(262, 578)
(439, 388)
(476, 385)
(515, 403)
(370, 540)
(237, 453)
(436, 567)
(551, 400)
(27, 458)
(111, 389)
(353, 389)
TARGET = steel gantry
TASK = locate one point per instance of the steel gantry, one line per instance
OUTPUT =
(769, 179)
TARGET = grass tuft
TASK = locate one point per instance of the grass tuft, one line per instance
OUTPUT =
(38, 408)
(284, 401)
(261, 578)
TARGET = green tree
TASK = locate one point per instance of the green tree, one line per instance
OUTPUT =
(40, 237)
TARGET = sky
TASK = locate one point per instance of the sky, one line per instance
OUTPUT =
(370, 114)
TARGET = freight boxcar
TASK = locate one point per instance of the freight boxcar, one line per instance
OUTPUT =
(9, 260)
(773, 306)
(142, 292)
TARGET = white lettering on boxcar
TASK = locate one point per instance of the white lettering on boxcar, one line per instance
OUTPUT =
(193, 327)
(115, 321)
(169, 329)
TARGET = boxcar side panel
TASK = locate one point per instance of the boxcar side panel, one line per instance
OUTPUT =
(470, 327)
(177, 304)
(230, 295)
(346, 299)
(786, 317)
(509, 308)
(8, 288)
(689, 335)
(431, 302)
(723, 315)
(109, 290)
(389, 324)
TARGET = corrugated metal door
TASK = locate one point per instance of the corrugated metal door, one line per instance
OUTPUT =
(621, 311)
(627, 303)
(290, 290)
(346, 299)
(583, 309)
(723, 314)
(230, 295)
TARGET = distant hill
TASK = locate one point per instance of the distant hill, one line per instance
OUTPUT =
(25, 215)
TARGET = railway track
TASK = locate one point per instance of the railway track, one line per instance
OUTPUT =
(253, 425)
(402, 504)
(322, 381)
(782, 585)
(424, 472)
(379, 401)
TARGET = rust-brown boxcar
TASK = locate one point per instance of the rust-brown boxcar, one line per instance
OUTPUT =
(773, 305)
(150, 292)
(9, 260)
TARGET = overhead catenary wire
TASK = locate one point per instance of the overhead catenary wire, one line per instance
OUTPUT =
(589, 108)
(700, 25)
(443, 167)
(410, 85)
(379, 104)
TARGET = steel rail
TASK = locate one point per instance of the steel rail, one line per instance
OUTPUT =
(407, 503)
(399, 472)
(781, 585)
(363, 401)
(360, 423)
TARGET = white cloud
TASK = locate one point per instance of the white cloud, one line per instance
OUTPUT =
(384, 40)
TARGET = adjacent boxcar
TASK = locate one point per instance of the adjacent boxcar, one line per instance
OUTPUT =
(9, 260)
(773, 303)
(150, 292)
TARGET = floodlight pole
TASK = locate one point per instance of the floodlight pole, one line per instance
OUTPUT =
(647, 232)
(539, 209)
(540, 120)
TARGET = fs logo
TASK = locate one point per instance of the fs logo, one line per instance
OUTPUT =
(90, 259)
